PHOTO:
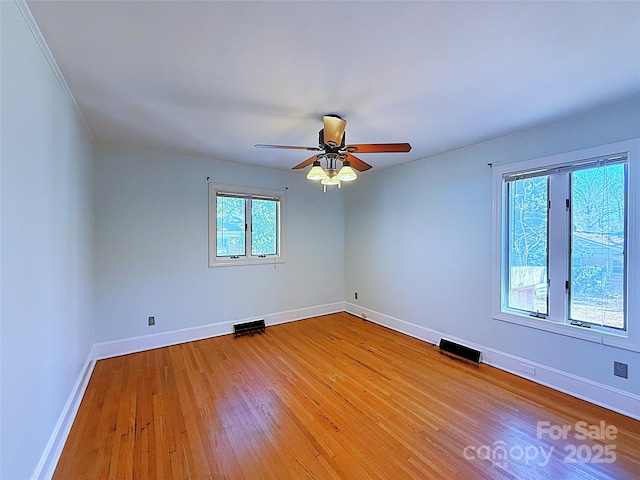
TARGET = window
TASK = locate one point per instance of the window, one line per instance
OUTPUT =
(245, 226)
(561, 249)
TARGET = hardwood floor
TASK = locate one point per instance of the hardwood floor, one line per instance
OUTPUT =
(333, 397)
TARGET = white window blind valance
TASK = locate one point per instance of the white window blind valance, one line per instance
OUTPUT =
(570, 167)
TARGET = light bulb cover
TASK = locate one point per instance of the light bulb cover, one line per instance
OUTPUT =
(346, 173)
(316, 172)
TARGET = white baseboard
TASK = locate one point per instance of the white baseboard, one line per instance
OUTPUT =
(52, 451)
(51, 454)
(603, 395)
(599, 394)
(147, 342)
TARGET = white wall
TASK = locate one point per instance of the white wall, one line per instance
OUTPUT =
(152, 254)
(404, 252)
(46, 248)
(418, 245)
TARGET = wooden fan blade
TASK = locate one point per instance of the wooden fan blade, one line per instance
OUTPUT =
(378, 148)
(307, 162)
(289, 147)
(333, 130)
(357, 163)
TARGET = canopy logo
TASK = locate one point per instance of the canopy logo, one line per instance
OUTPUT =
(500, 453)
(593, 446)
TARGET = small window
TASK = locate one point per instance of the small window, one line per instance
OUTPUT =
(561, 252)
(245, 226)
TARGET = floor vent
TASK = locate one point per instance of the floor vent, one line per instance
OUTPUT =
(249, 328)
(459, 351)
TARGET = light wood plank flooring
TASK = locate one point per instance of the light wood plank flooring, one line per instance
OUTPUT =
(332, 397)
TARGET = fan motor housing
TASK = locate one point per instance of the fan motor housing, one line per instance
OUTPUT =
(329, 148)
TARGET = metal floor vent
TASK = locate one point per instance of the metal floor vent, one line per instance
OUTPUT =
(459, 351)
(249, 328)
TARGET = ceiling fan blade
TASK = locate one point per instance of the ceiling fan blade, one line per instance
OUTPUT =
(307, 162)
(289, 147)
(378, 147)
(357, 163)
(333, 130)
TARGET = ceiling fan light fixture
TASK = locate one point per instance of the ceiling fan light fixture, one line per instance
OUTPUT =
(316, 173)
(347, 173)
(329, 181)
(336, 153)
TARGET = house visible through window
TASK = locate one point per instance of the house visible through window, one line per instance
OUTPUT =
(598, 232)
(245, 226)
(562, 231)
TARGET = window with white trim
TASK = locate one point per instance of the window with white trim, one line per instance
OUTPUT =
(245, 226)
(561, 251)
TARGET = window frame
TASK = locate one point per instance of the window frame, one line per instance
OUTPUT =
(628, 339)
(246, 193)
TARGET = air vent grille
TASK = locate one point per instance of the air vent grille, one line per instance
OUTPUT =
(249, 328)
(459, 351)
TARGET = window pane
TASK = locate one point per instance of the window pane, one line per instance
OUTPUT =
(230, 227)
(527, 240)
(264, 221)
(597, 246)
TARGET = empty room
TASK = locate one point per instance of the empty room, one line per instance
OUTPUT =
(319, 240)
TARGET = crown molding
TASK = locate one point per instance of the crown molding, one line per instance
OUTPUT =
(48, 55)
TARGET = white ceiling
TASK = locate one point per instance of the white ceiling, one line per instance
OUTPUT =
(214, 78)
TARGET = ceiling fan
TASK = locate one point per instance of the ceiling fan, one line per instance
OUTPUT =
(332, 143)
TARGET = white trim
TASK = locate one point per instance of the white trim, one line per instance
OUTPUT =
(597, 393)
(148, 342)
(48, 55)
(52, 451)
(588, 334)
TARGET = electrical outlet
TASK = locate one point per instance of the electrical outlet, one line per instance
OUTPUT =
(152, 321)
(356, 295)
(620, 369)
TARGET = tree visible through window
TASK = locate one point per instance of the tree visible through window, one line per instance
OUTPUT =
(264, 234)
(571, 219)
(598, 214)
(245, 225)
(528, 230)
(230, 226)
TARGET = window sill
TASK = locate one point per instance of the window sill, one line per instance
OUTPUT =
(246, 261)
(594, 335)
